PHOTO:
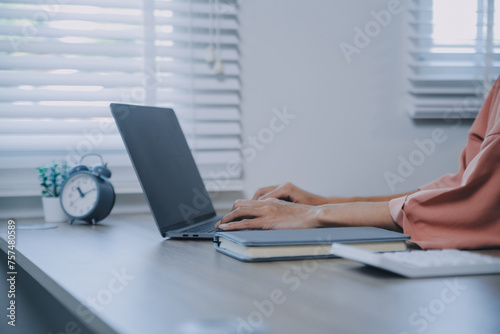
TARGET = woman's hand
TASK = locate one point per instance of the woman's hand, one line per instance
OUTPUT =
(269, 214)
(291, 193)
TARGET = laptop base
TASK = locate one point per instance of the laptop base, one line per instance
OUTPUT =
(202, 230)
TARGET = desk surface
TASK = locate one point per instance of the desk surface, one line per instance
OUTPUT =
(142, 283)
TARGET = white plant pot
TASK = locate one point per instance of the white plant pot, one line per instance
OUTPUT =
(52, 210)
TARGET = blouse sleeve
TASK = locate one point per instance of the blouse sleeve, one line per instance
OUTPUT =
(465, 216)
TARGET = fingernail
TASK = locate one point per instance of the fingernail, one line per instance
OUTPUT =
(223, 225)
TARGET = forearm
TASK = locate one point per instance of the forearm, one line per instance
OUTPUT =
(375, 214)
(339, 200)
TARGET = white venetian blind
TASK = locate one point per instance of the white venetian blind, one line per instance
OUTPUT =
(62, 63)
(454, 56)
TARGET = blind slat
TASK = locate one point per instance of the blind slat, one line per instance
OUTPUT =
(36, 111)
(48, 32)
(100, 3)
(27, 62)
(229, 8)
(226, 23)
(111, 50)
(13, 161)
(62, 143)
(17, 78)
(70, 126)
(109, 94)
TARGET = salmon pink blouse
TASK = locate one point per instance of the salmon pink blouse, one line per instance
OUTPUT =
(461, 210)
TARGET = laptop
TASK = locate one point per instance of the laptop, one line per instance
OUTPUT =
(166, 170)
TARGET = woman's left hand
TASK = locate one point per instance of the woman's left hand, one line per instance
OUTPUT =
(269, 214)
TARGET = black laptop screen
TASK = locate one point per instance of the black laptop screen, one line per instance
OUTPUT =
(164, 165)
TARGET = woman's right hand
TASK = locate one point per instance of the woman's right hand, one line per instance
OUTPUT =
(289, 192)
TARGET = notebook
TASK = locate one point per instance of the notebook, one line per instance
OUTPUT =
(276, 245)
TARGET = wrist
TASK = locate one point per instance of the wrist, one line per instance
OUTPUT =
(323, 215)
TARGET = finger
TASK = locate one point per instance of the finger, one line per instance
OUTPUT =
(245, 203)
(241, 213)
(240, 210)
(255, 223)
(279, 193)
(263, 191)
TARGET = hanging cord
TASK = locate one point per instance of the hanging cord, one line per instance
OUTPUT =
(149, 59)
(218, 68)
(210, 49)
(191, 80)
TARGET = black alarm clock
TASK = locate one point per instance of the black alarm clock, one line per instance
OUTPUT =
(87, 194)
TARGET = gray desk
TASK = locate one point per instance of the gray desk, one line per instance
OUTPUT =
(170, 282)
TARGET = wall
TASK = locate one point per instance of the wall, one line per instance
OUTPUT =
(350, 126)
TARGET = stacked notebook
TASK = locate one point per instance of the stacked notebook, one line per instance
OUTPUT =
(275, 245)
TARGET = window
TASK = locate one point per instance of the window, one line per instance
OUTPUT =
(62, 63)
(454, 56)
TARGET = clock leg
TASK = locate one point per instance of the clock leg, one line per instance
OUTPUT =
(94, 221)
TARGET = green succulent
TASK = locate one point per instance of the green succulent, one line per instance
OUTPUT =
(52, 177)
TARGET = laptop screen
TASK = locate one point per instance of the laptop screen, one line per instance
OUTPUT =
(164, 165)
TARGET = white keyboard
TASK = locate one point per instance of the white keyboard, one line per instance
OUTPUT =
(419, 263)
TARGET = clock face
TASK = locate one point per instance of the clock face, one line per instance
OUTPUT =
(80, 195)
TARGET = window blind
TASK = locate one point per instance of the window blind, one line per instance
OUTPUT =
(62, 63)
(454, 56)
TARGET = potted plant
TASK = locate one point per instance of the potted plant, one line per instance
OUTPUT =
(51, 179)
